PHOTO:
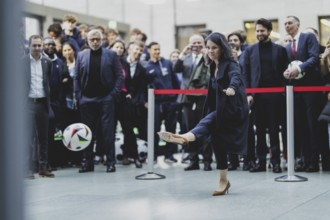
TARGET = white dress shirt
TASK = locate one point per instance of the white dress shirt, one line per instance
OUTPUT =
(36, 87)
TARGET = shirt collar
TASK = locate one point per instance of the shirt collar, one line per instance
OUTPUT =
(32, 58)
(46, 55)
(129, 60)
(297, 36)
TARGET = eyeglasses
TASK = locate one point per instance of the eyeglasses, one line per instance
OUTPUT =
(94, 39)
(36, 45)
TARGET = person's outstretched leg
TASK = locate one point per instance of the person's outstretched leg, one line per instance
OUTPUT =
(177, 138)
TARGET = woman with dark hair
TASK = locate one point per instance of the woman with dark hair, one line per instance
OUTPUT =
(123, 108)
(70, 110)
(226, 109)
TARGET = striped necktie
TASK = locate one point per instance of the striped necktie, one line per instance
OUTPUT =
(294, 49)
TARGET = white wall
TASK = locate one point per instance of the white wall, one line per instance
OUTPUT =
(224, 16)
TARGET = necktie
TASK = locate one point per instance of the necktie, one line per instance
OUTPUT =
(194, 64)
(294, 49)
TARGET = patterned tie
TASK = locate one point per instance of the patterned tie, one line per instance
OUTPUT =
(194, 64)
(294, 49)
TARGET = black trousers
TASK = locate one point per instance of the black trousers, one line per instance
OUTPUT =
(193, 113)
(124, 113)
(268, 116)
(168, 113)
(307, 107)
(39, 120)
(96, 111)
(207, 127)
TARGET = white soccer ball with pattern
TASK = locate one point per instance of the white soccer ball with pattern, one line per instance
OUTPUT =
(77, 137)
(294, 64)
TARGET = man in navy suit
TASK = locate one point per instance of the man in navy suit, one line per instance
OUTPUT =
(38, 70)
(307, 105)
(263, 66)
(98, 80)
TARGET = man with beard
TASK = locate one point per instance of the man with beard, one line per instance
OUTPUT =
(264, 63)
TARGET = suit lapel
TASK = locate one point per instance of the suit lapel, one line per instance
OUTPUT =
(300, 43)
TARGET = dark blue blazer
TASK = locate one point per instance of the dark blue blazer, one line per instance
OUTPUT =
(111, 73)
(308, 53)
(252, 68)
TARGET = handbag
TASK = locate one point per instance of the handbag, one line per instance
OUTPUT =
(325, 114)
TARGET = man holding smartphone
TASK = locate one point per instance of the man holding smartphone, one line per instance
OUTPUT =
(195, 75)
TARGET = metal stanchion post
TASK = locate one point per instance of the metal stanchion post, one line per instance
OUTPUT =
(290, 142)
(150, 175)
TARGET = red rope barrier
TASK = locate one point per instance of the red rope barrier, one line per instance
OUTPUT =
(248, 90)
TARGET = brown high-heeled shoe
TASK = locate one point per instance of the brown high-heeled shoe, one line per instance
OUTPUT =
(172, 138)
(223, 192)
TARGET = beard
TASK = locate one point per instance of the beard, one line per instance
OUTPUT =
(263, 38)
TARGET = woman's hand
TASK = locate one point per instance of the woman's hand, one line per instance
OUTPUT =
(229, 91)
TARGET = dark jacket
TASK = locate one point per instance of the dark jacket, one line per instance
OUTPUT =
(252, 67)
(308, 53)
(47, 73)
(111, 73)
(161, 76)
(232, 112)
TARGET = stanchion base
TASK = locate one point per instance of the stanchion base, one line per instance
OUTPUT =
(294, 178)
(150, 176)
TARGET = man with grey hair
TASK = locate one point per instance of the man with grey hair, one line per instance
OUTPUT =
(195, 74)
(307, 105)
(98, 78)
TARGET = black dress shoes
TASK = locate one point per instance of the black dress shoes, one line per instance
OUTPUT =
(86, 168)
(192, 166)
(207, 166)
(258, 168)
(137, 163)
(299, 168)
(246, 166)
(232, 166)
(111, 168)
(277, 168)
(312, 168)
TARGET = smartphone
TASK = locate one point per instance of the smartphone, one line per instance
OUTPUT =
(232, 45)
(193, 48)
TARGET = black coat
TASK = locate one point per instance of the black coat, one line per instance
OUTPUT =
(232, 112)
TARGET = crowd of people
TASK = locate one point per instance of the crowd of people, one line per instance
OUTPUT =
(89, 74)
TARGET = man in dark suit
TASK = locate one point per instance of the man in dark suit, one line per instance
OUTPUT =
(195, 75)
(307, 105)
(56, 150)
(38, 70)
(138, 85)
(264, 63)
(98, 79)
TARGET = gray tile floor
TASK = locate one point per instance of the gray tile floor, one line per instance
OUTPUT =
(184, 195)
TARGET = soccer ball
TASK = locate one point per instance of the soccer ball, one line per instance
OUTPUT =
(77, 137)
(295, 64)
